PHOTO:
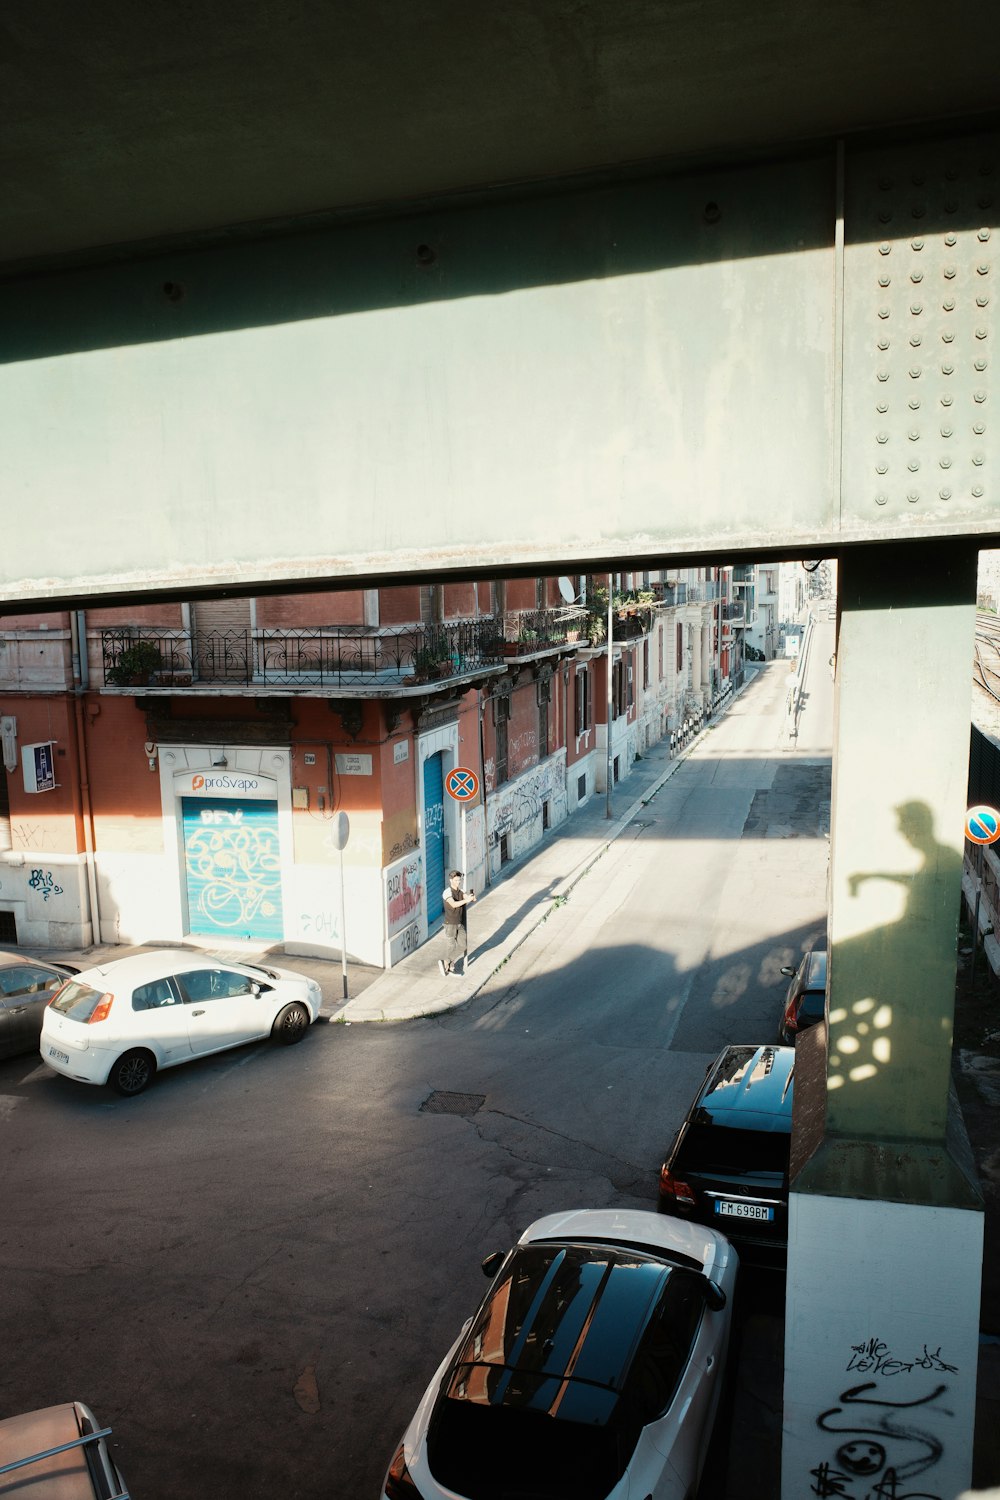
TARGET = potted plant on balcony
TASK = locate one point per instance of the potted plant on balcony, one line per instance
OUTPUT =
(431, 661)
(135, 664)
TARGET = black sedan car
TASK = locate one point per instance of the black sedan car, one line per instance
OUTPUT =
(26, 987)
(805, 1001)
(728, 1166)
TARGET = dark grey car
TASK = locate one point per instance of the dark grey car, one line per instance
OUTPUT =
(805, 1002)
(728, 1165)
(26, 987)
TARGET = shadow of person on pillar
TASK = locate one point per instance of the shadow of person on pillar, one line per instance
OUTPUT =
(895, 985)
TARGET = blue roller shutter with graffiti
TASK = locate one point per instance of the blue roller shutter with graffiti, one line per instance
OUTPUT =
(232, 866)
(434, 834)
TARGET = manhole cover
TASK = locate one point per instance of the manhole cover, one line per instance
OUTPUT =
(440, 1103)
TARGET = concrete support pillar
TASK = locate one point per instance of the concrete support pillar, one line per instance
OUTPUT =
(885, 1218)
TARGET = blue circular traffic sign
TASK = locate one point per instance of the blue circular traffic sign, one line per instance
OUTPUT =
(982, 824)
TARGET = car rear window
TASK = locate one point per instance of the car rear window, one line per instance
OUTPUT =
(76, 1000)
(710, 1148)
(813, 1005)
(495, 1451)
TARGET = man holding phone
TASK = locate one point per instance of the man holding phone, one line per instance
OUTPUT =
(456, 934)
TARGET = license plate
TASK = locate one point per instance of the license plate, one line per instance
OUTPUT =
(745, 1210)
(62, 1057)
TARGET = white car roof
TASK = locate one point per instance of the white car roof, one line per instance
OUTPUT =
(139, 968)
(630, 1226)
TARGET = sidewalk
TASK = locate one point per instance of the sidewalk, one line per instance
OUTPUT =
(511, 908)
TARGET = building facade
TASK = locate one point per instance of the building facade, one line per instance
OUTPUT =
(178, 770)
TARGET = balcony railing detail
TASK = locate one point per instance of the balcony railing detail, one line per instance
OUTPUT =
(143, 655)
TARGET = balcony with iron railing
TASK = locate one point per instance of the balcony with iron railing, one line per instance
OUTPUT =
(322, 658)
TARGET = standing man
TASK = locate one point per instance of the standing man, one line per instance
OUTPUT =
(456, 935)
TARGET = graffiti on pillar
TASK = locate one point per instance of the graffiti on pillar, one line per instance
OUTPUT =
(884, 1437)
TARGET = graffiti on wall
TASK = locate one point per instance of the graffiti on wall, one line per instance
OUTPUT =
(522, 750)
(884, 1436)
(403, 846)
(323, 924)
(475, 838)
(519, 806)
(43, 881)
(404, 893)
(28, 835)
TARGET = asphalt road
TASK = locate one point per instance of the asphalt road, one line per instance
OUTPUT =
(252, 1270)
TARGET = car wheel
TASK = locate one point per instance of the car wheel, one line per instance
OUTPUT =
(132, 1072)
(290, 1024)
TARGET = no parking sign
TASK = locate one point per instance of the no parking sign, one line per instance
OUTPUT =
(462, 783)
(982, 824)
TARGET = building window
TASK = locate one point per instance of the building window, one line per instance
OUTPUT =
(621, 688)
(543, 729)
(581, 788)
(583, 704)
(502, 706)
(680, 648)
(645, 663)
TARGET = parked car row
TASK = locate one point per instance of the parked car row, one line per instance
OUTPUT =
(121, 1022)
(594, 1364)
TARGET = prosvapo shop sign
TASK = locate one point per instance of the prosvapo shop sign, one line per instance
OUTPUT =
(237, 784)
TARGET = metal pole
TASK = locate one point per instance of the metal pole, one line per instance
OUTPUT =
(611, 663)
(975, 917)
(465, 853)
(343, 925)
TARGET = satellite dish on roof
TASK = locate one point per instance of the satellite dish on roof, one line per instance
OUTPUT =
(567, 590)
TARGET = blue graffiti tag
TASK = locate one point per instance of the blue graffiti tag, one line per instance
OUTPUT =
(42, 880)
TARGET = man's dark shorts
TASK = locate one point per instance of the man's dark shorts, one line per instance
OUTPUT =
(456, 940)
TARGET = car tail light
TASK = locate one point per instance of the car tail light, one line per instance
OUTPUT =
(672, 1186)
(398, 1485)
(792, 1017)
(101, 1010)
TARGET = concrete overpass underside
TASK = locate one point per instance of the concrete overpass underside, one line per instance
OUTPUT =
(295, 296)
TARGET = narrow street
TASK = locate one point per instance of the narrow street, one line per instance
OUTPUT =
(251, 1271)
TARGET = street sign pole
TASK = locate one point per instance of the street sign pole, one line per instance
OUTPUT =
(462, 785)
(341, 833)
(982, 826)
(975, 919)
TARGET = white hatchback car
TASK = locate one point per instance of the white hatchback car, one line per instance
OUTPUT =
(592, 1369)
(120, 1022)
